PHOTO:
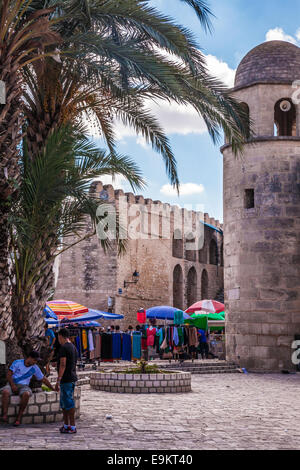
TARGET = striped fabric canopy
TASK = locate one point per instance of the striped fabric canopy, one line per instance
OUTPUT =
(66, 308)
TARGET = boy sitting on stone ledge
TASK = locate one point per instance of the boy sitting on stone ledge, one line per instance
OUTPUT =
(18, 378)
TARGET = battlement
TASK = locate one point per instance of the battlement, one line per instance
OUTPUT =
(107, 192)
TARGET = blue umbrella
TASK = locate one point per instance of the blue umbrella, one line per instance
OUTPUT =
(48, 312)
(91, 316)
(107, 315)
(90, 323)
(164, 313)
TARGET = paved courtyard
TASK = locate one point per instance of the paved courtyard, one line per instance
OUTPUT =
(228, 411)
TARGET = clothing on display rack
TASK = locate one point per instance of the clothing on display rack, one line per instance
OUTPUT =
(137, 345)
(178, 317)
(116, 345)
(141, 316)
(126, 347)
(106, 346)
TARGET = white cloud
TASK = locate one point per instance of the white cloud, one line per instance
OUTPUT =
(178, 119)
(221, 70)
(118, 181)
(278, 34)
(186, 189)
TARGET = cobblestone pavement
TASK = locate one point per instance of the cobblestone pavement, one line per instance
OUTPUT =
(230, 411)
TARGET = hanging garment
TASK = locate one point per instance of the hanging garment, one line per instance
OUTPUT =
(106, 346)
(193, 337)
(141, 316)
(178, 317)
(126, 347)
(175, 336)
(156, 342)
(84, 340)
(116, 345)
(164, 344)
(97, 345)
(77, 342)
(150, 336)
(180, 336)
(144, 337)
(161, 336)
(91, 342)
(136, 345)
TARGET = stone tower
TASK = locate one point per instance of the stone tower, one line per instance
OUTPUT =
(262, 214)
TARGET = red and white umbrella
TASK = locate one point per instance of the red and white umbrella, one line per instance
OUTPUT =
(211, 306)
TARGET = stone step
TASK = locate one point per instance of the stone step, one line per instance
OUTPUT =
(215, 367)
(188, 366)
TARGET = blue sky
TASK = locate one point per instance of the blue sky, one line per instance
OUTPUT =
(239, 25)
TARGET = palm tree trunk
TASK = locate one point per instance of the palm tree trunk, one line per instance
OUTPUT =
(10, 136)
(28, 320)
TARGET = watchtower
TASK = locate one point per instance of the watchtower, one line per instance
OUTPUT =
(262, 213)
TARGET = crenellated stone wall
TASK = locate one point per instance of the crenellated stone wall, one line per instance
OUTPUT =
(88, 275)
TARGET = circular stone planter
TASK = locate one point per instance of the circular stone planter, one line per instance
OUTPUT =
(43, 407)
(117, 382)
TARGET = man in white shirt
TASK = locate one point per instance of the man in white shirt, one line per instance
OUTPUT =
(18, 378)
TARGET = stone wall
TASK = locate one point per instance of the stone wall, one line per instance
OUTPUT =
(88, 275)
(43, 407)
(141, 383)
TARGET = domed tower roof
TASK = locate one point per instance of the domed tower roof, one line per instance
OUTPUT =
(270, 62)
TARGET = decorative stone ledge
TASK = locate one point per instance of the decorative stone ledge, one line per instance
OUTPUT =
(177, 382)
(43, 407)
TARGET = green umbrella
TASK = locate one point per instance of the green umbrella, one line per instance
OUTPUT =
(200, 319)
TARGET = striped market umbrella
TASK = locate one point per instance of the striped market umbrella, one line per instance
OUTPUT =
(66, 309)
(92, 315)
(210, 306)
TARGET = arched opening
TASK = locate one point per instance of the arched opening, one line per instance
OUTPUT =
(191, 288)
(204, 285)
(177, 245)
(213, 252)
(178, 287)
(284, 118)
(246, 118)
(190, 252)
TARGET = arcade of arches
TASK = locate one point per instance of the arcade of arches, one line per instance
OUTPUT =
(197, 275)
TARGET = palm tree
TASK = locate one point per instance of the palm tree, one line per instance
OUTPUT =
(50, 215)
(116, 50)
(112, 56)
(23, 36)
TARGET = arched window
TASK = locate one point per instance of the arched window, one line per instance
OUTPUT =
(204, 285)
(191, 288)
(246, 118)
(177, 248)
(213, 252)
(284, 118)
(178, 287)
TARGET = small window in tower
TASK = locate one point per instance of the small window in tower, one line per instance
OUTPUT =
(284, 118)
(249, 198)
